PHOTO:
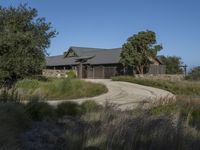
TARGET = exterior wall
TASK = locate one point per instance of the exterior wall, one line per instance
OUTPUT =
(54, 73)
(157, 69)
(101, 71)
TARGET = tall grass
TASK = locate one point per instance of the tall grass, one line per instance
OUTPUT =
(58, 89)
(112, 129)
(184, 88)
(13, 121)
(86, 126)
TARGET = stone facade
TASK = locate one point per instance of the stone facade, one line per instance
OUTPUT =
(54, 73)
(175, 77)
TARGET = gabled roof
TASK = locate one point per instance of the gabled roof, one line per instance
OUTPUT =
(159, 59)
(59, 61)
(97, 55)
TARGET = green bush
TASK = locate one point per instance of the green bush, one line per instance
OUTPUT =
(68, 108)
(71, 74)
(39, 110)
(90, 106)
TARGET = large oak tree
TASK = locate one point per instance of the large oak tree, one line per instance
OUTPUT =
(24, 38)
(139, 50)
(173, 64)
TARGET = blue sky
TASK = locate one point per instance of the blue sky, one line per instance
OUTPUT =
(108, 23)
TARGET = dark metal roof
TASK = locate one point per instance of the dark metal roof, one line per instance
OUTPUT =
(99, 56)
(59, 61)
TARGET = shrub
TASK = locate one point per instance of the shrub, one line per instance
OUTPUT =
(90, 106)
(39, 110)
(68, 108)
(71, 74)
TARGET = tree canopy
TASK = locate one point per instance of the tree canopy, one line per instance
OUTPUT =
(139, 50)
(24, 38)
(173, 64)
(194, 73)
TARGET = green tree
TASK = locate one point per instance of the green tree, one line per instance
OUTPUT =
(24, 38)
(194, 73)
(139, 50)
(173, 64)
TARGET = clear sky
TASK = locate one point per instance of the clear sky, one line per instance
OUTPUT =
(108, 23)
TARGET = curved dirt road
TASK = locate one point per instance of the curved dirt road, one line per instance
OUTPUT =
(125, 95)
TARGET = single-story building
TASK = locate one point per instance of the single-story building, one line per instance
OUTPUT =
(95, 63)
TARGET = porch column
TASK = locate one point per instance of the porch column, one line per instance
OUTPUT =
(81, 70)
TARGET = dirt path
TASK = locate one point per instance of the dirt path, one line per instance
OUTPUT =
(125, 95)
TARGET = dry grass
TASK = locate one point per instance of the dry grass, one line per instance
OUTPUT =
(111, 129)
(183, 88)
(173, 125)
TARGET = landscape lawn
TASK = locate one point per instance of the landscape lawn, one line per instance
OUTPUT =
(55, 89)
(179, 88)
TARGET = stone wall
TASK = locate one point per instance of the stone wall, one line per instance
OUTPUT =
(176, 77)
(54, 73)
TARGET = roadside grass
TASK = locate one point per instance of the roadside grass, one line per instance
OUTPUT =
(13, 121)
(87, 126)
(55, 89)
(108, 128)
(183, 88)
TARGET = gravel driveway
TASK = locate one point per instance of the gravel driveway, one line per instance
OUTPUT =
(125, 95)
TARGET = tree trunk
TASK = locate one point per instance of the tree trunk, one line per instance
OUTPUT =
(140, 69)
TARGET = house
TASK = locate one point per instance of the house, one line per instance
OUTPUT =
(94, 63)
